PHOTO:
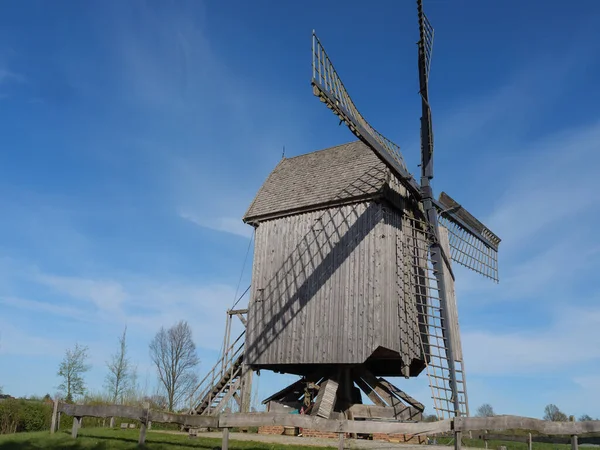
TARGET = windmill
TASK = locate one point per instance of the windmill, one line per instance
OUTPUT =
(352, 276)
(452, 232)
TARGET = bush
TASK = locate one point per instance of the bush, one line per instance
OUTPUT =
(24, 415)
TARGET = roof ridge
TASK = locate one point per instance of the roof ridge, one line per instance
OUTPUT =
(323, 149)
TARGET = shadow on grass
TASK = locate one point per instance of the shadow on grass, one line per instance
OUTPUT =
(97, 441)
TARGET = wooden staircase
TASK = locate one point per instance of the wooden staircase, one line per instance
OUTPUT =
(222, 383)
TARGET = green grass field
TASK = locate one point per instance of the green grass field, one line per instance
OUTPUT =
(510, 445)
(99, 438)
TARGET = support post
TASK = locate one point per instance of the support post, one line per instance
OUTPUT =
(112, 422)
(457, 440)
(142, 438)
(76, 425)
(341, 441)
(225, 443)
(54, 416)
(529, 442)
(574, 443)
(143, 422)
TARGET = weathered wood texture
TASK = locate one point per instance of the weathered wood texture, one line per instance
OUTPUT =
(325, 400)
(310, 181)
(337, 426)
(451, 298)
(458, 424)
(225, 440)
(54, 417)
(326, 290)
(137, 413)
(500, 423)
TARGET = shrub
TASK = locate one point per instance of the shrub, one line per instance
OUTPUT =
(24, 415)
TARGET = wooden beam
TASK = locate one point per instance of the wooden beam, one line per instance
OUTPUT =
(285, 391)
(403, 395)
(225, 441)
(242, 319)
(384, 393)
(54, 416)
(142, 438)
(457, 440)
(370, 393)
(76, 425)
(325, 400)
(336, 426)
(187, 420)
(501, 423)
(380, 412)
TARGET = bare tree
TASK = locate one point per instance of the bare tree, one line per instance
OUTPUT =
(585, 418)
(71, 370)
(120, 371)
(485, 410)
(173, 352)
(552, 413)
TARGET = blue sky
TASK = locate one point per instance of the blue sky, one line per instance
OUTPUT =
(133, 136)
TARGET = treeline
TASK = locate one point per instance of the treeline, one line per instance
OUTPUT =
(173, 354)
(551, 413)
(35, 414)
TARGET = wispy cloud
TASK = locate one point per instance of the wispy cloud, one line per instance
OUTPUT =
(571, 338)
(107, 295)
(7, 76)
(145, 304)
(232, 225)
(545, 245)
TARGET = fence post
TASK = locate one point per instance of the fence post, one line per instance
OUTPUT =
(529, 442)
(76, 425)
(143, 422)
(54, 416)
(341, 441)
(457, 439)
(225, 443)
(574, 443)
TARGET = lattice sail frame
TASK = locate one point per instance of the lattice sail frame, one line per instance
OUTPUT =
(466, 248)
(421, 284)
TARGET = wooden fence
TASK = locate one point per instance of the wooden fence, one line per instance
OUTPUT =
(224, 422)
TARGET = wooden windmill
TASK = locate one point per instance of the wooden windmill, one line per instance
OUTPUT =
(352, 278)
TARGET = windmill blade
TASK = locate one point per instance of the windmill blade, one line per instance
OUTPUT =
(437, 314)
(328, 86)
(426, 33)
(472, 244)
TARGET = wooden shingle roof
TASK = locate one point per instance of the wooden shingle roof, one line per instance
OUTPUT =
(315, 180)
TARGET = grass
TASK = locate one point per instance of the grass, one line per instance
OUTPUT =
(102, 438)
(494, 445)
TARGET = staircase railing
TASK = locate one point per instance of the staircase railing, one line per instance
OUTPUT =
(224, 366)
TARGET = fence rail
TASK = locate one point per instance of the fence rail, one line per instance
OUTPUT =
(226, 421)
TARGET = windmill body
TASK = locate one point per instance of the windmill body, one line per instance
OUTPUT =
(353, 268)
(332, 296)
(328, 274)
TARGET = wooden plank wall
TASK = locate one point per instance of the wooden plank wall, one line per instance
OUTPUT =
(325, 288)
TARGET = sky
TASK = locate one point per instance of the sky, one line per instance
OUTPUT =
(134, 135)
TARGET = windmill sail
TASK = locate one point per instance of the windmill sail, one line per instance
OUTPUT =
(472, 244)
(328, 86)
(422, 285)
